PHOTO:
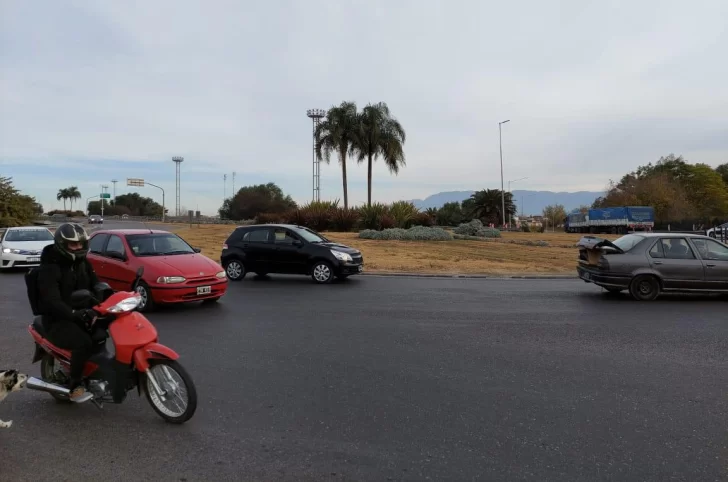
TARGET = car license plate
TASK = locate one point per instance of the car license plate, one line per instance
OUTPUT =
(204, 290)
(360, 268)
(33, 260)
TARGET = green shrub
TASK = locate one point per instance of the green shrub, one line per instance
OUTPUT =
(476, 228)
(299, 217)
(423, 219)
(403, 213)
(416, 233)
(525, 228)
(370, 216)
(344, 219)
(385, 221)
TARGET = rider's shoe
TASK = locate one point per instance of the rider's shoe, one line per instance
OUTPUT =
(80, 395)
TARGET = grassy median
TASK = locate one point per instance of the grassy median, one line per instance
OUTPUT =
(496, 257)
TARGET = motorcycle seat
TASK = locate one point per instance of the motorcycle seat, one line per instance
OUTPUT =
(38, 326)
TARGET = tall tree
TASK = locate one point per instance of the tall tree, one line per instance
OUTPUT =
(555, 214)
(336, 133)
(487, 205)
(62, 195)
(250, 201)
(16, 209)
(378, 134)
(73, 194)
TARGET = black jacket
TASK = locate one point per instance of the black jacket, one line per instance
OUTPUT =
(58, 277)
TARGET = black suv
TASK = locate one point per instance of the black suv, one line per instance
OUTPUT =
(287, 249)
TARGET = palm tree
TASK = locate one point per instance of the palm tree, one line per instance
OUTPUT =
(336, 133)
(62, 194)
(73, 194)
(486, 205)
(378, 134)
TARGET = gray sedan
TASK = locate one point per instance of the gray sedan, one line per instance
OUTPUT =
(647, 264)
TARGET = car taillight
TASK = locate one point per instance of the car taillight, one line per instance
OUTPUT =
(224, 246)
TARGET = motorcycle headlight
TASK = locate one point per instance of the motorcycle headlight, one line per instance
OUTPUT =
(126, 304)
(220, 275)
(171, 279)
(341, 256)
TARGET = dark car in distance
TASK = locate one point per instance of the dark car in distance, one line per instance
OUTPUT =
(95, 219)
(287, 249)
(648, 264)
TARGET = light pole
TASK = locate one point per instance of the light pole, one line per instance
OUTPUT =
(503, 194)
(104, 187)
(224, 187)
(137, 182)
(154, 185)
(316, 115)
(509, 190)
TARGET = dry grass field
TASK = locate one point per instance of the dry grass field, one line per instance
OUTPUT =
(498, 257)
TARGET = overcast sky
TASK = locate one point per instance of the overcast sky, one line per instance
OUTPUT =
(96, 90)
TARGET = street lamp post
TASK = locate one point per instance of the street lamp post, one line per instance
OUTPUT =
(503, 194)
(137, 182)
(509, 190)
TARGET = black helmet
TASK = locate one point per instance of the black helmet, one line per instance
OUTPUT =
(71, 233)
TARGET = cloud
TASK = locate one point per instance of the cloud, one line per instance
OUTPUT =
(592, 90)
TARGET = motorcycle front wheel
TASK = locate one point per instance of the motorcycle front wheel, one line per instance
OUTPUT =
(181, 396)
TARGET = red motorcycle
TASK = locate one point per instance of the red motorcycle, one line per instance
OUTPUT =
(138, 360)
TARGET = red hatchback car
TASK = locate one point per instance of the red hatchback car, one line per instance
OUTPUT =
(174, 271)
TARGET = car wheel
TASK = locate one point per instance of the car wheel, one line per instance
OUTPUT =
(322, 272)
(235, 270)
(644, 288)
(147, 303)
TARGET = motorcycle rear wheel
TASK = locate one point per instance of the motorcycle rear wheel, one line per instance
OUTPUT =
(164, 371)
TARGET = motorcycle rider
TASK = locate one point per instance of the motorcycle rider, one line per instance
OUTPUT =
(63, 270)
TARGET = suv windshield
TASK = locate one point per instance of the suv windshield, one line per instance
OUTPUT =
(627, 242)
(158, 244)
(310, 236)
(20, 235)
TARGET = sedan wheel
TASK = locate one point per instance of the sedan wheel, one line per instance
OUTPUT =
(644, 288)
(235, 270)
(322, 272)
(147, 303)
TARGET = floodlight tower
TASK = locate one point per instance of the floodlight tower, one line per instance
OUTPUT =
(177, 163)
(316, 115)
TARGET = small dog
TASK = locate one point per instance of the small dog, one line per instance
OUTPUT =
(10, 381)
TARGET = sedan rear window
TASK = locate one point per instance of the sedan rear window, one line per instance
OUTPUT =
(628, 241)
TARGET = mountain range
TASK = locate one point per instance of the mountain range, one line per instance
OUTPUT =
(527, 202)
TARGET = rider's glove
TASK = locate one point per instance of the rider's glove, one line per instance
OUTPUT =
(84, 316)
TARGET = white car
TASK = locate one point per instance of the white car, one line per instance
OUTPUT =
(21, 247)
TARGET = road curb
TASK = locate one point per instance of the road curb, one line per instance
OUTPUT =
(468, 276)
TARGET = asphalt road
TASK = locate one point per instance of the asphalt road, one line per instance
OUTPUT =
(400, 379)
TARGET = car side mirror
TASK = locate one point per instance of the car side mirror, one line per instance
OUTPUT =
(197, 250)
(81, 299)
(297, 243)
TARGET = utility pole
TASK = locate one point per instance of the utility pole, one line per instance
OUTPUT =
(224, 187)
(233, 184)
(114, 181)
(503, 194)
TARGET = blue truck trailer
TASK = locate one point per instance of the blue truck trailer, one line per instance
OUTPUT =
(617, 220)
